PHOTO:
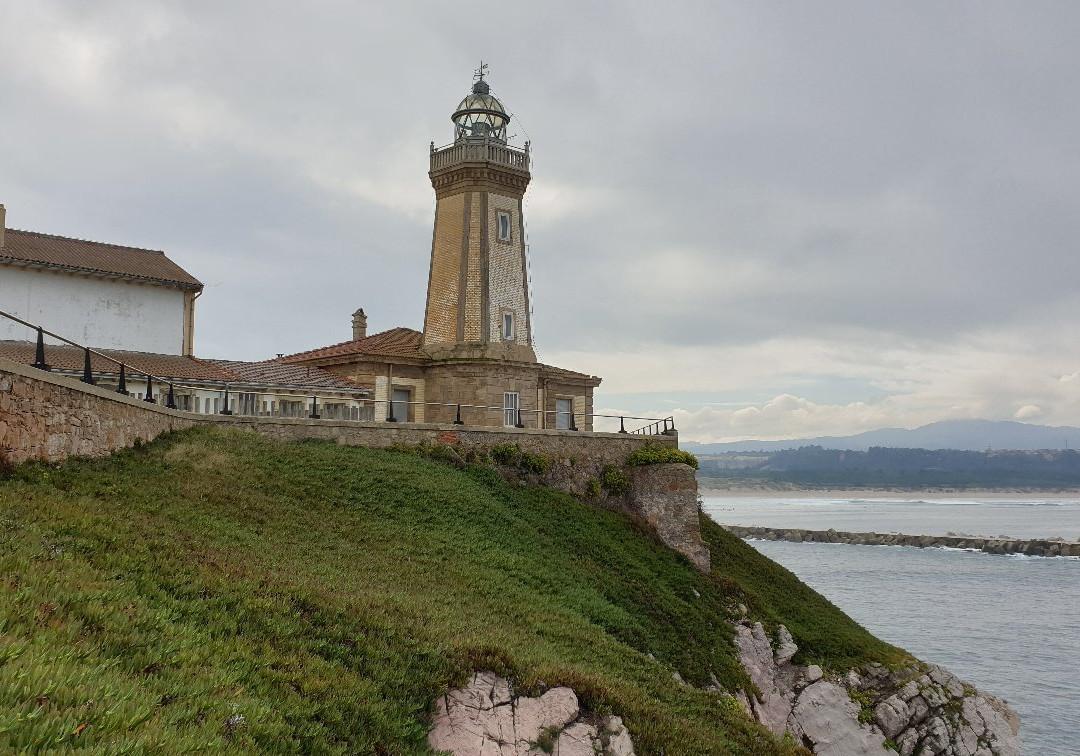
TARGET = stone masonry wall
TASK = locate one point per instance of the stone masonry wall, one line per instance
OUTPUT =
(50, 417)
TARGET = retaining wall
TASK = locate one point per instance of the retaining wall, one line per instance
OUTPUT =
(52, 417)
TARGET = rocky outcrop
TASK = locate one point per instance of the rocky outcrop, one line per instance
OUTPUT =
(914, 710)
(485, 719)
(1028, 547)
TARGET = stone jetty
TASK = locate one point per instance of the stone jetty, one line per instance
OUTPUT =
(1032, 547)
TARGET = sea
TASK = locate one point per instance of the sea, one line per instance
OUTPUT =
(1010, 625)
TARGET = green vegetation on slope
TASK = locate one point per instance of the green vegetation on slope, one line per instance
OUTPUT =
(215, 590)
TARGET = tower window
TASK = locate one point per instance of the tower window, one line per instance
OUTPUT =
(502, 225)
(508, 325)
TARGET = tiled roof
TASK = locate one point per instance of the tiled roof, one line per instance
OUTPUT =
(397, 342)
(71, 358)
(88, 257)
(180, 368)
(278, 373)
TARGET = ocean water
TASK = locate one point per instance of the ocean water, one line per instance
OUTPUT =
(1014, 518)
(1009, 625)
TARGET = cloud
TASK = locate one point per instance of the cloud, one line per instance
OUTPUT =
(1028, 412)
(819, 221)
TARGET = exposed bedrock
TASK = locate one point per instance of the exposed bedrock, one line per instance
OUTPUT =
(1030, 547)
(485, 719)
(915, 710)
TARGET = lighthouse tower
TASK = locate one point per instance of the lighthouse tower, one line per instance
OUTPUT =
(478, 294)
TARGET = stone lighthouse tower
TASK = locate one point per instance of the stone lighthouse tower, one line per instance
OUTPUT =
(478, 296)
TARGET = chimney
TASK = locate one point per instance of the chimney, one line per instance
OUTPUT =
(359, 324)
(3, 219)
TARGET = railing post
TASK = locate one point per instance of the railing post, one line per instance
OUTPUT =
(122, 388)
(314, 408)
(87, 372)
(39, 355)
(149, 389)
(519, 424)
(226, 410)
(457, 419)
(170, 400)
(390, 411)
(622, 426)
(573, 423)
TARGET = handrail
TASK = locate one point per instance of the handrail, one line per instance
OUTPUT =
(656, 426)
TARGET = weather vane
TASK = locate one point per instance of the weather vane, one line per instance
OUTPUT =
(479, 73)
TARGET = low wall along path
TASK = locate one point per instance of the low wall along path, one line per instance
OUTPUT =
(49, 417)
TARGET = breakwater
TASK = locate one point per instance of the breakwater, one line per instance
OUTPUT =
(1030, 547)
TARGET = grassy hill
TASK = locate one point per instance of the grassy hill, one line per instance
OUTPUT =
(215, 590)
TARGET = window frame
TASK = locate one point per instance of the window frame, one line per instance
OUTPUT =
(500, 215)
(511, 406)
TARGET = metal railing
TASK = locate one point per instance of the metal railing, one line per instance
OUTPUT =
(241, 398)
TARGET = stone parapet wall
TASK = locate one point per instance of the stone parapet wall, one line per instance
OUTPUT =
(662, 496)
(50, 417)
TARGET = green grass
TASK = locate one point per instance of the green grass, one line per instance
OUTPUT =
(824, 634)
(217, 591)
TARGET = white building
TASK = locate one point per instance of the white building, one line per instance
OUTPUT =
(100, 295)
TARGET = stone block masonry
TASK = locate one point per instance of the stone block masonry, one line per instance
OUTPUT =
(51, 417)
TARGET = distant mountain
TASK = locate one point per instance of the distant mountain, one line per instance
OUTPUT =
(972, 435)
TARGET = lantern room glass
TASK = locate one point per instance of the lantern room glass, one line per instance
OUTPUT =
(480, 116)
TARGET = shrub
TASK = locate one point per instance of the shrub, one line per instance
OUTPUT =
(593, 488)
(656, 454)
(615, 480)
(505, 454)
(534, 463)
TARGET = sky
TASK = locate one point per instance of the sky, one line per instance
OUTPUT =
(765, 219)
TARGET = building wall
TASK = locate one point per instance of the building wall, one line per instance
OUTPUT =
(506, 271)
(473, 275)
(444, 288)
(100, 313)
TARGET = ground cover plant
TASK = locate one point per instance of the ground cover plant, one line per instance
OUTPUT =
(217, 591)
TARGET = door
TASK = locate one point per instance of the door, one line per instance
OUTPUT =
(401, 405)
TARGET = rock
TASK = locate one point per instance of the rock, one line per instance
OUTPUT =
(829, 719)
(484, 719)
(618, 739)
(813, 673)
(556, 708)
(892, 716)
(576, 740)
(787, 647)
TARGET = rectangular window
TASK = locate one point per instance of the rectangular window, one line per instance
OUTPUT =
(508, 325)
(502, 225)
(563, 408)
(510, 409)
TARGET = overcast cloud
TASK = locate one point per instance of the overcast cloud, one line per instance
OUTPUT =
(769, 219)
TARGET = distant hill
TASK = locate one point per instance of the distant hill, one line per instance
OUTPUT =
(970, 435)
